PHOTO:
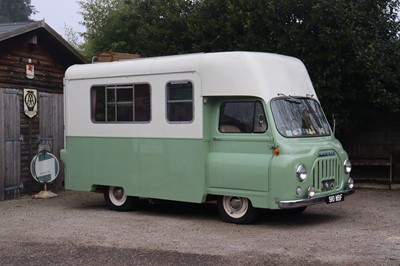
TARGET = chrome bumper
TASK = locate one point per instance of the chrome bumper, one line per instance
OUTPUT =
(289, 204)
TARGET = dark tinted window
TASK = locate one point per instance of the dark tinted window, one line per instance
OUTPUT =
(121, 103)
(242, 117)
(180, 101)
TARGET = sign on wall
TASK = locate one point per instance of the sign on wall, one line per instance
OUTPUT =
(30, 102)
(30, 71)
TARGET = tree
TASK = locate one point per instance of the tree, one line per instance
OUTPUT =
(146, 27)
(99, 18)
(72, 37)
(15, 10)
(351, 48)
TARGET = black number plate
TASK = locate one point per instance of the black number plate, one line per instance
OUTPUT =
(334, 198)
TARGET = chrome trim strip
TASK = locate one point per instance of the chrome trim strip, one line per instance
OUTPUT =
(289, 204)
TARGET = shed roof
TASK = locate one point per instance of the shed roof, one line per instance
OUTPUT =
(11, 30)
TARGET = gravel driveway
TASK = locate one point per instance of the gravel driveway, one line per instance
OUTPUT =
(76, 228)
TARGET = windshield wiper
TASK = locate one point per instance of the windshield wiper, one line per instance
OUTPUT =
(290, 98)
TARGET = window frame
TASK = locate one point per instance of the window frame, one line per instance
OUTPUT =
(254, 101)
(167, 101)
(328, 133)
(115, 87)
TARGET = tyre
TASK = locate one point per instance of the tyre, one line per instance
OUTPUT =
(236, 210)
(117, 200)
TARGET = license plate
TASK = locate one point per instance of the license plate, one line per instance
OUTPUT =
(334, 198)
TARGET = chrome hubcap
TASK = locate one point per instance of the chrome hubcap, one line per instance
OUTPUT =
(117, 196)
(235, 207)
(118, 193)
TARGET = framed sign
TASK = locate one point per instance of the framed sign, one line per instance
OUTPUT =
(30, 102)
(45, 167)
(30, 71)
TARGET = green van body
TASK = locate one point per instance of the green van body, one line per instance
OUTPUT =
(259, 166)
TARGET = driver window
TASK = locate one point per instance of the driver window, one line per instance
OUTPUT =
(242, 117)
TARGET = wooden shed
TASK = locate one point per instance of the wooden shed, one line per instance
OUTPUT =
(33, 60)
(374, 150)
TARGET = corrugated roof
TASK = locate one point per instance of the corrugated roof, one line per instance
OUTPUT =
(10, 30)
(9, 27)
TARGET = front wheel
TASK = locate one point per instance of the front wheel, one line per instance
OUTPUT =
(117, 200)
(236, 210)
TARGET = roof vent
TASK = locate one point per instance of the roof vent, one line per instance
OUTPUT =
(33, 39)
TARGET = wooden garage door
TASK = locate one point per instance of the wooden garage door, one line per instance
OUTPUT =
(10, 144)
(51, 127)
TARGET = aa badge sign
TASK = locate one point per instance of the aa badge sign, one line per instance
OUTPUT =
(30, 102)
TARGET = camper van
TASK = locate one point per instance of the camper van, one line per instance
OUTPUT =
(244, 129)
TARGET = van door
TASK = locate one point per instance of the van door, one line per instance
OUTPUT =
(240, 152)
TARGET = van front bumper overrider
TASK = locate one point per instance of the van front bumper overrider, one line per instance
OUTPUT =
(290, 204)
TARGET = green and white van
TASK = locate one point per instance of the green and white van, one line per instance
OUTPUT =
(243, 128)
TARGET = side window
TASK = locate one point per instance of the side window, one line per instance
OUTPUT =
(179, 101)
(242, 117)
(121, 103)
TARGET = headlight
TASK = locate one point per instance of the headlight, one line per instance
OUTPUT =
(347, 166)
(301, 173)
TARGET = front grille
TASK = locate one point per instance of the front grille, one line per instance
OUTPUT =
(325, 173)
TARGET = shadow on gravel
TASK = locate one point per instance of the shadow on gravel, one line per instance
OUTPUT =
(99, 205)
(191, 211)
(281, 218)
(71, 254)
(209, 211)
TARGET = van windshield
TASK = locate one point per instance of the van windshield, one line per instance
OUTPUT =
(299, 117)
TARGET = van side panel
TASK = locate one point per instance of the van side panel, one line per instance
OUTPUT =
(102, 161)
(236, 170)
(156, 159)
(169, 169)
(172, 169)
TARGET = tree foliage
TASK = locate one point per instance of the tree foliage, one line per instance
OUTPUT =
(350, 47)
(15, 10)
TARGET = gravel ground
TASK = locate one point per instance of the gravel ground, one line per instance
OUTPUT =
(76, 228)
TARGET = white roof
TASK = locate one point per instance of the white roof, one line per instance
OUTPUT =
(262, 75)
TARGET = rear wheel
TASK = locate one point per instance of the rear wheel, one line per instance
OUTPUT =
(236, 210)
(116, 199)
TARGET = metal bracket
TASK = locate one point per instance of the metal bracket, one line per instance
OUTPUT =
(20, 186)
(20, 138)
(40, 139)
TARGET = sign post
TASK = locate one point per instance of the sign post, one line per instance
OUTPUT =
(44, 169)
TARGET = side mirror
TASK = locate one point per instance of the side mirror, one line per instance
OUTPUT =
(260, 124)
(261, 120)
(334, 124)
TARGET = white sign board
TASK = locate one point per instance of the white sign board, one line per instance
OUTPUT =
(45, 167)
(30, 102)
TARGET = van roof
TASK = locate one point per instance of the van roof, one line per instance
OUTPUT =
(257, 74)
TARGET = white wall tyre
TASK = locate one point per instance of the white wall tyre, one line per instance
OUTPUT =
(236, 210)
(116, 199)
